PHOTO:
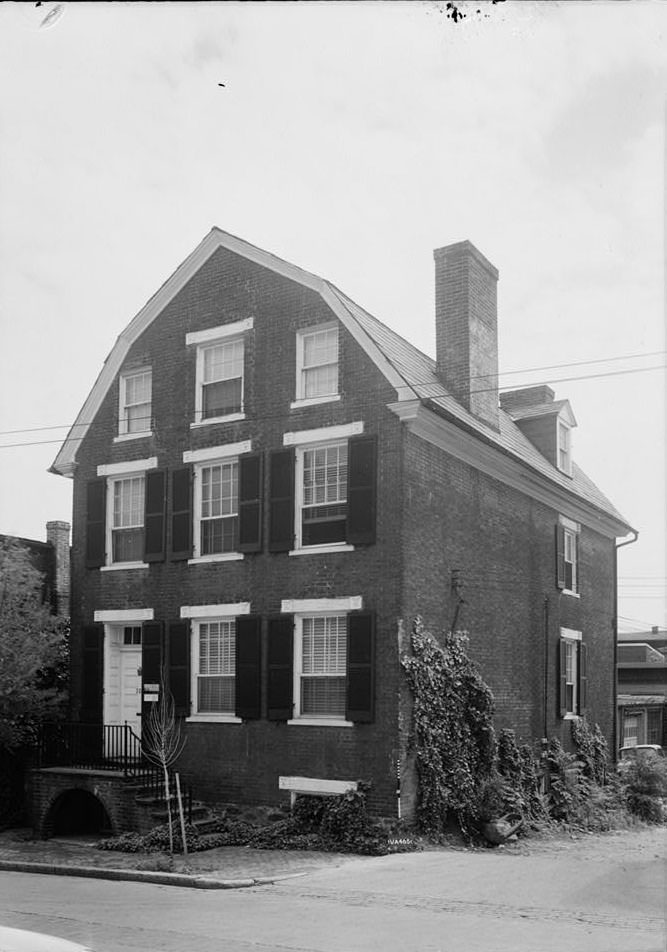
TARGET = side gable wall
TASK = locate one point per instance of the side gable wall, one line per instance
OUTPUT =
(502, 545)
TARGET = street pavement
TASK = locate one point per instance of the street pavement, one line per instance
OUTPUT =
(586, 894)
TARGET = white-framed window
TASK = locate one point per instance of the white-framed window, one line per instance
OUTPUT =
(216, 666)
(321, 473)
(216, 501)
(320, 658)
(213, 659)
(570, 549)
(317, 364)
(217, 508)
(126, 518)
(571, 674)
(564, 448)
(135, 403)
(631, 729)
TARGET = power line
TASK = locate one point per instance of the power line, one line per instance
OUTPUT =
(413, 384)
(574, 363)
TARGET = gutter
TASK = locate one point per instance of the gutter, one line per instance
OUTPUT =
(614, 625)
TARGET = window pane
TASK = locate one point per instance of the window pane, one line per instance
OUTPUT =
(324, 642)
(216, 695)
(128, 502)
(139, 418)
(320, 381)
(127, 545)
(320, 347)
(217, 647)
(219, 535)
(323, 697)
(223, 361)
(219, 399)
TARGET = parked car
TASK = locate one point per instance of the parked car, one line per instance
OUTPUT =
(628, 755)
(20, 940)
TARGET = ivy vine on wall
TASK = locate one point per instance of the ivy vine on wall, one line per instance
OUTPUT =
(452, 733)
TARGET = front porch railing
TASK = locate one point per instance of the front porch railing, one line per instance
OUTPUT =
(92, 747)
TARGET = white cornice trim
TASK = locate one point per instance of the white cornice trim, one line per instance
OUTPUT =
(468, 448)
(230, 609)
(349, 603)
(211, 334)
(123, 615)
(127, 466)
(341, 432)
(217, 452)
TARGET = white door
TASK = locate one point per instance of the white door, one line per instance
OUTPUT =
(130, 687)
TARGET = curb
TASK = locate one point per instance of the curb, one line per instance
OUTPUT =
(140, 876)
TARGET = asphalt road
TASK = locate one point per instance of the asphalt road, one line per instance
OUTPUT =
(595, 894)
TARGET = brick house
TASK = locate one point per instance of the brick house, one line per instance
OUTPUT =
(642, 687)
(269, 484)
(52, 561)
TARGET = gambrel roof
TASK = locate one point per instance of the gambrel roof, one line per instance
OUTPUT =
(409, 371)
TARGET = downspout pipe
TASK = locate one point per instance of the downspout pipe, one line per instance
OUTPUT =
(614, 733)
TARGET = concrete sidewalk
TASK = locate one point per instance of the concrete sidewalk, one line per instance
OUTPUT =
(229, 867)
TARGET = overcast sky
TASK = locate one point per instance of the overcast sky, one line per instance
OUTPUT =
(352, 140)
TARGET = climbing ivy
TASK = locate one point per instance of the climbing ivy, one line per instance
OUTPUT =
(452, 734)
(591, 748)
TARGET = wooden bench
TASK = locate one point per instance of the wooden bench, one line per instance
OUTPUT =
(314, 787)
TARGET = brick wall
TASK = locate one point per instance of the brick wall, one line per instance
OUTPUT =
(231, 761)
(501, 543)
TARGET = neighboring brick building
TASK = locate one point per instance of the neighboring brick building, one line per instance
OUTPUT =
(642, 687)
(269, 484)
(52, 561)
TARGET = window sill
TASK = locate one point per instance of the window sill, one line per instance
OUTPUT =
(222, 557)
(313, 401)
(124, 437)
(230, 418)
(571, 717)
(319, 722)
(213, 719)
(119, 566)
(567, 591)
(323, 549)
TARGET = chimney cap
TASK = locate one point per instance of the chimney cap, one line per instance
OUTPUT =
(462, 248)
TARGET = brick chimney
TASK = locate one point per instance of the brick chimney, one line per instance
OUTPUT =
(57, 535)
(526, 397)
(466, 328)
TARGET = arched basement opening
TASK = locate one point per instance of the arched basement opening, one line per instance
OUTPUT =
(78, 811)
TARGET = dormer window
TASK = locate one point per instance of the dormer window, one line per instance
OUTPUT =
(564, 448)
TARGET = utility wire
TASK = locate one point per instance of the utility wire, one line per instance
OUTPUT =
(613, 373)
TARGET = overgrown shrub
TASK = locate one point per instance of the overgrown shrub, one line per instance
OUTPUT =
(569, 787)
(645, 784)
(453, 733)
(591, 749)
(519, 770)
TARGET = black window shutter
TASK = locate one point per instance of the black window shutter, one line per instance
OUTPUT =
(562, 683)
(361, 490)
(178, 666)
(96, 503)
(154, 519)
(560, 557)
(281, 503)
(577, 564)
(360, 667)
(181, 513)
(151, 662)
(248, 666)
(280, 667)
(583, 677)
(91, 674)
(250, 502)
